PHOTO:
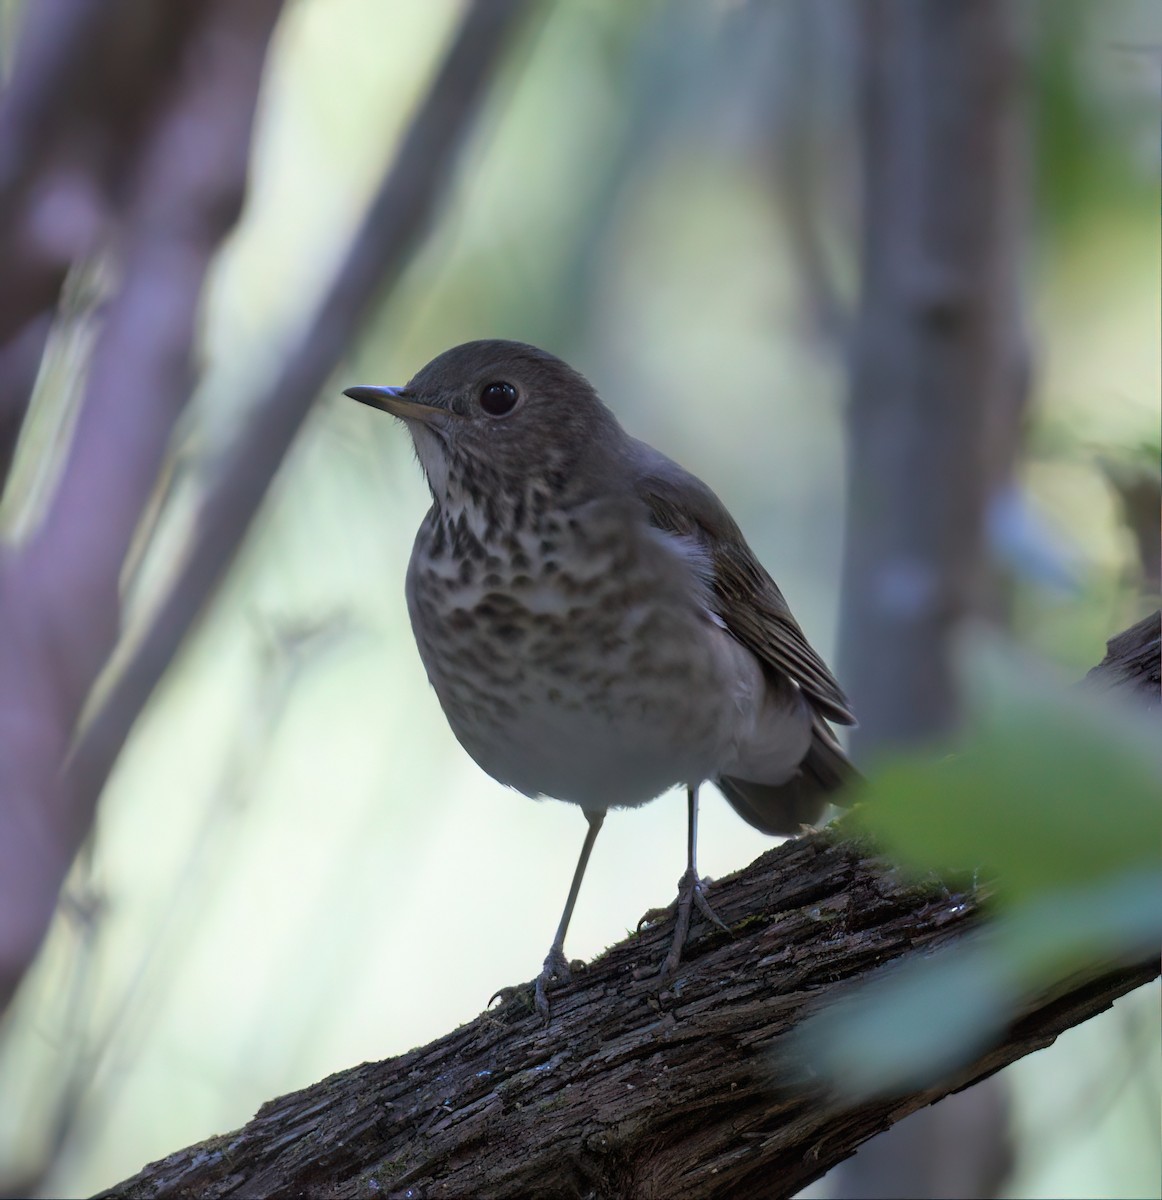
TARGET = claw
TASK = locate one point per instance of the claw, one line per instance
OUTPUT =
(652, 916)
(705, 909)
(556, 969)
(504, 995)
(689, 897)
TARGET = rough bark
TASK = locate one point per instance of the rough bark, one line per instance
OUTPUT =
(1131, 664)
(697, 1091)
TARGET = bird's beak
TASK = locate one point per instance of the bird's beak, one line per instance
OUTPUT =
(395, 401)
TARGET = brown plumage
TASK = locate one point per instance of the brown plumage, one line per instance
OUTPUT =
(750, 604)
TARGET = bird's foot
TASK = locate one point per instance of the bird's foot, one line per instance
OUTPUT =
(690, 896)
(555, 970)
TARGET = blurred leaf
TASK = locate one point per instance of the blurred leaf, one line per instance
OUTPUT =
(1092, 97)
(1055, 794)
(1053, 788)
(932, 1014)
(912, 1023)
(1062, 931)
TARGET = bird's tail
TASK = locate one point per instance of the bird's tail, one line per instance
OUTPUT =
(782, 808)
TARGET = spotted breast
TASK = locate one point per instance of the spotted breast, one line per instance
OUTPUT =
(575, 628)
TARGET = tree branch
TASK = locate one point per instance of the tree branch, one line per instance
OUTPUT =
(59, 592)
(696, 1092)
(54, 63)
(89, 76)
(937, 390)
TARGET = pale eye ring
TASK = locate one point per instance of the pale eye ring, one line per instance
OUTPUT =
(498, 398)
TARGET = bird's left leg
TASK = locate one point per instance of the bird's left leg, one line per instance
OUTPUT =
(689, 893)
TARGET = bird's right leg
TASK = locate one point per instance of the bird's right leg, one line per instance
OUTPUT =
(556, 967)
(689, 897)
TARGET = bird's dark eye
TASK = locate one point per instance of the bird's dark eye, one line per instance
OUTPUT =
(498, 399)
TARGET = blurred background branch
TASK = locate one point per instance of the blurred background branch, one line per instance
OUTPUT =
(85, 87)
(938, 378)
(59, 590)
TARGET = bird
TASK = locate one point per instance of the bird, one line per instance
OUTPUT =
(592, 620)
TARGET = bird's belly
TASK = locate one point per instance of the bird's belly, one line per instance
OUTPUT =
(604, 699)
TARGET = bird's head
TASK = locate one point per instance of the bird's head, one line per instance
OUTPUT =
(497, 416)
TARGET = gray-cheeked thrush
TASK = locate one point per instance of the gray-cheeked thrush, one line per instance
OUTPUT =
(593, 622)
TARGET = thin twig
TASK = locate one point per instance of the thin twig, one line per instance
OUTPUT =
(19, 364)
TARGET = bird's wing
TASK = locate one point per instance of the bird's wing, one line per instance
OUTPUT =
(746, 598)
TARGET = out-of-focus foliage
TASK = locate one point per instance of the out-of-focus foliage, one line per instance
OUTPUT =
(1053, 789)
(1086, 52)
(1051, 806)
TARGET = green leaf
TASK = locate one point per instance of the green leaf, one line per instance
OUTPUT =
(1051, 788)
(927, 1016)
